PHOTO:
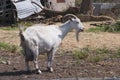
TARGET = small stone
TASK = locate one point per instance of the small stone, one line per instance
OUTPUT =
(3, 62)
(25, 76)
(58, 64)
(112, 73)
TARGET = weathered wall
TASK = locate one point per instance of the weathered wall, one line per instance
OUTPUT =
(61, 6)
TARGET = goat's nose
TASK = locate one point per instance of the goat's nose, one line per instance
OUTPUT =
(82, 29)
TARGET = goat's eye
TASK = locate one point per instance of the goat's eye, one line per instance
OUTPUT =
(77, 22)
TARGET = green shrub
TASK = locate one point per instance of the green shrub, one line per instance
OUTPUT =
(111, 28)
(101, 51)
(81, 54)
(95, 55)
(106, 28)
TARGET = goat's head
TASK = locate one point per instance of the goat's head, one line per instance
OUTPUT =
(75, 24)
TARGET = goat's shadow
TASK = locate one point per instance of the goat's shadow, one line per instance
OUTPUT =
(18, 73)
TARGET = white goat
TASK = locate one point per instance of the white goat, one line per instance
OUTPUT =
(40, 39)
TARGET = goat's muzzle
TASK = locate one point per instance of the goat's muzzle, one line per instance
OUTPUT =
(81, 30)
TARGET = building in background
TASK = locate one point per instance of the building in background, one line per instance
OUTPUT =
(58, 5)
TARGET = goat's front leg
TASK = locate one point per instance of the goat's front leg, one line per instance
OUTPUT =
(36, 66)
(36, 63)
(50, 56)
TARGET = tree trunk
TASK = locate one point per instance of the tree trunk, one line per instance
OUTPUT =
(86, 6)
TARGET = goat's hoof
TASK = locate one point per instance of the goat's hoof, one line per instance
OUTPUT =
(38, 71)
(50, 69)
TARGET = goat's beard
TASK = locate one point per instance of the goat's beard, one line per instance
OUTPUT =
(77, 35)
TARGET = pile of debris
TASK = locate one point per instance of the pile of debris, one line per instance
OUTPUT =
(94, 18)
(84, 18)
(58, 18)
(51, 13)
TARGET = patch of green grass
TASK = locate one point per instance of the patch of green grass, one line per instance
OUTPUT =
(116, 54)
(3, 45)
(26, 23)
(99, 54)
(81, 54)
(95, 55)
(8, 47)
(96, 58)
(106, 28)
(101, 51)
(12, 27)
(112, 28)
(16, 27)
(9, 28)
(97, 29)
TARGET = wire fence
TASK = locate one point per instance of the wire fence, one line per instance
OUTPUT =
(108, 9)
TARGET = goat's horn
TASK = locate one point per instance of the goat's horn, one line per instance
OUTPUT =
(69, 16)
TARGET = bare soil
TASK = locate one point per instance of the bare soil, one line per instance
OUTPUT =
(65, 65)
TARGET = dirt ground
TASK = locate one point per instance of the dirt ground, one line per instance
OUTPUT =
(65, 65)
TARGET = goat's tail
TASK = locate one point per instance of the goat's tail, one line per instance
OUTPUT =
(20, 28)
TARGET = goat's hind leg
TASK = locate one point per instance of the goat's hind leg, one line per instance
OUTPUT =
(27, 66)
